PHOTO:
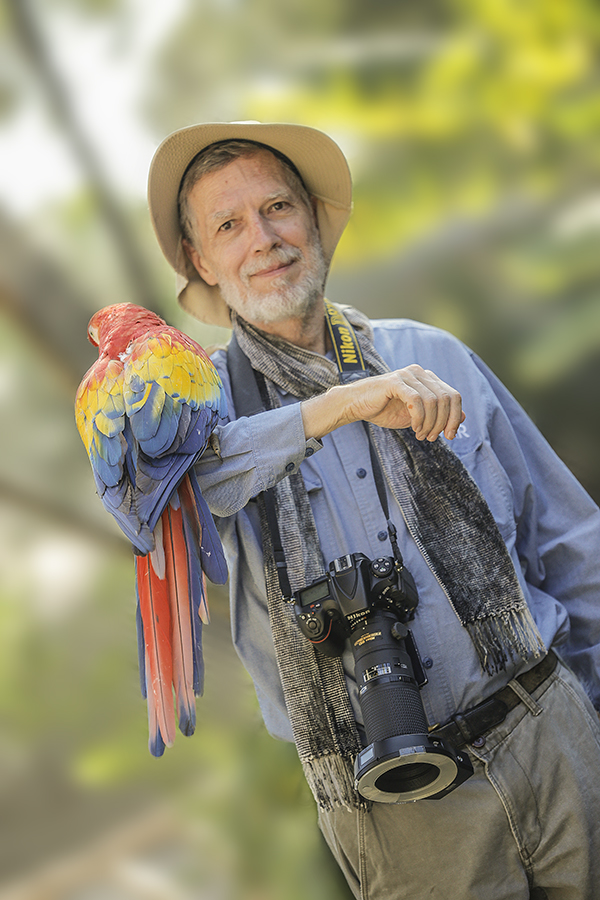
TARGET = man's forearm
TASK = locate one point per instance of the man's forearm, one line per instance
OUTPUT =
(411, 397)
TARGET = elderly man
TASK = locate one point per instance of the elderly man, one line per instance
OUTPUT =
(501, 541)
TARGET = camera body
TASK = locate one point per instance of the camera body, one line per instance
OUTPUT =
(369, 602)
(331, 608)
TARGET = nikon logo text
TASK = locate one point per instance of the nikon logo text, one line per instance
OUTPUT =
(347, 348)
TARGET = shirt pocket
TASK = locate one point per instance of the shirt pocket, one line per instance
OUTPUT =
(486, 470)
(312, 479)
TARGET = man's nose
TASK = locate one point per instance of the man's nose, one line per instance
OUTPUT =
(263, 234)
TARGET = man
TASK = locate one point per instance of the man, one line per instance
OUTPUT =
(500, 539)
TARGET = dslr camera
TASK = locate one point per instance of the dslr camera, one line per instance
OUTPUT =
(368, 602)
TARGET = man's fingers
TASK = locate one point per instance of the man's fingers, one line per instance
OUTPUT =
(435, 408)
(457, 416)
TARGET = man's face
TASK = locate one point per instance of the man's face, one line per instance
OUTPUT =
(257, 239)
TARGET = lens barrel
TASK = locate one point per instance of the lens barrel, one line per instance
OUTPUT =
(390, 700)
(401, 762)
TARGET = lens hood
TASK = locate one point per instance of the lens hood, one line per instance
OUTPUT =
(409, 767)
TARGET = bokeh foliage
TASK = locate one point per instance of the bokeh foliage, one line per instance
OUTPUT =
(472, 128)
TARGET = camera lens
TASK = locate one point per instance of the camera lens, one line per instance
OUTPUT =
(411, 777)
(401, 762)
(389, 696)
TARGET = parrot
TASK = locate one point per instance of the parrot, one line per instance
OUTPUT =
(146, 411)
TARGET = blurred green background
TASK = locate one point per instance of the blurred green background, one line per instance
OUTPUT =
(472, 129)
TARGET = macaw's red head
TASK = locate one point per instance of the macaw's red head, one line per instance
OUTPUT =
(114, 326)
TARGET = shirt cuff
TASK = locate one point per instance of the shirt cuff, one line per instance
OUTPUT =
(312, 445)
(278, 443)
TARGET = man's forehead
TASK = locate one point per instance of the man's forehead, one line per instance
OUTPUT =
(258, 174)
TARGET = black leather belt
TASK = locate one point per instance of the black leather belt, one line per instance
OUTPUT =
(464, 728)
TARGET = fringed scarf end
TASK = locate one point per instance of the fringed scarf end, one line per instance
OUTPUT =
(331, 780)
(499, 639)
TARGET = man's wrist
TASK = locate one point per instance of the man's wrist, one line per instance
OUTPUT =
(324, 413)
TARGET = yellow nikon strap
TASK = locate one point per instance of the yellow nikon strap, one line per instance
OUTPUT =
(345, 345)
(352, 367)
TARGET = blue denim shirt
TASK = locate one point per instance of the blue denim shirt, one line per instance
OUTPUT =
(550, 525)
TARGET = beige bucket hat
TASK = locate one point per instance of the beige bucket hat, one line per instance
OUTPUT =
(317, 157)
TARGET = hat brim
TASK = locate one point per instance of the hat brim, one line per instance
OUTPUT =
(317, 157)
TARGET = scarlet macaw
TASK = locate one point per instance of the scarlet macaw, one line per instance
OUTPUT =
(145, 411)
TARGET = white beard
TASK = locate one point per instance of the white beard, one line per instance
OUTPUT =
(283, 301)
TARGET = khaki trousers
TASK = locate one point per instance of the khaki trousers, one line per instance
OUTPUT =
(525, 825)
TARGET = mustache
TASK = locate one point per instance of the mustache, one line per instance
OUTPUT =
(277, 257)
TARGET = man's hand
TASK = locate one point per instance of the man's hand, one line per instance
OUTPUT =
(407, 398)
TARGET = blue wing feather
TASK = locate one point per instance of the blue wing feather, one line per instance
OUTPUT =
(146, 421)
(162, 440)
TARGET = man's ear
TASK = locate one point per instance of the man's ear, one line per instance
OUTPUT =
(203, 270)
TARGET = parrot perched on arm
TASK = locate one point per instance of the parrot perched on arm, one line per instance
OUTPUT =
(145, 411)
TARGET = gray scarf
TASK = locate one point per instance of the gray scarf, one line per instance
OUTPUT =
(447, 517)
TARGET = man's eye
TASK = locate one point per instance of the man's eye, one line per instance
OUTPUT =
(280, 204)
(226, 225)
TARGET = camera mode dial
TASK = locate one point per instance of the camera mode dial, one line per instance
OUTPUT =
(313, 625)
(382, 566)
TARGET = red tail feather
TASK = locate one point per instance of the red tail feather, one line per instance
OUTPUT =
(176, 559)
(153, 596)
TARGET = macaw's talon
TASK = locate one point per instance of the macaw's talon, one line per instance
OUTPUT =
(215, 444)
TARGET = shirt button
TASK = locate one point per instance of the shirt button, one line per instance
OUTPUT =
(290, 467)
(427, 662)
(382, 535)
(309, 451)
(362, 473)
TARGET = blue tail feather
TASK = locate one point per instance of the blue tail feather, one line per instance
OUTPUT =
(140, 645)
(195, 598)
(211, 549)
(156, 745)
(186, 717)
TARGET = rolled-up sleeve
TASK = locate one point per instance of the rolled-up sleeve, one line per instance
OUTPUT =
(253, 455)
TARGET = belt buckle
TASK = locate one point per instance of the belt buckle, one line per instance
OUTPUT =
(482, 718)
(460, 722)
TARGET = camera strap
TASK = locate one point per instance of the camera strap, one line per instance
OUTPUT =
(247, 401)
(348, 355)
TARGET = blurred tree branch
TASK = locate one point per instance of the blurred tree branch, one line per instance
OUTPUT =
(32, 41)
(35, 293)
(32, 502)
